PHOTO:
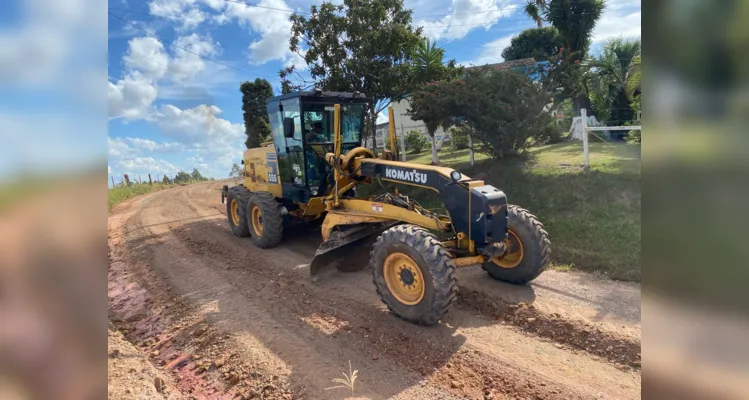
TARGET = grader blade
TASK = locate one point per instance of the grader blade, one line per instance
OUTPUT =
(344, 251)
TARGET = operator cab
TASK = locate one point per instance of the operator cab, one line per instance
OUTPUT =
(302, 124)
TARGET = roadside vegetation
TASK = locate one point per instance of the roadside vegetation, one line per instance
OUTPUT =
(124, 191)
(120, 193)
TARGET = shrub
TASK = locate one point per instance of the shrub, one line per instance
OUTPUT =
(415, 141)
(504, 109)
(459, 138)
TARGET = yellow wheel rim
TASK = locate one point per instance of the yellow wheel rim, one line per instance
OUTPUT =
(234, 212)
(257, 220)
(403, 278)
(514, 255)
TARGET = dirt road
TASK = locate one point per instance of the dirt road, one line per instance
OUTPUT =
(227, 320)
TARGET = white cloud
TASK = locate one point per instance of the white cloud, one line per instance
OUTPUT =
(131, 97)
(185, 11)
(146, 165)
(198, 126)
(273, 26)
(150, 145)
(119, 150)
(491, 52)
(616, 23)
(148, 56)
(186, 64)
(465, 16)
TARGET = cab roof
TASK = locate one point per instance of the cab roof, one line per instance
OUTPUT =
(320, 95)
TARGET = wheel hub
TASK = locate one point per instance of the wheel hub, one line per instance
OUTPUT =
(403, 278)
(407, 277)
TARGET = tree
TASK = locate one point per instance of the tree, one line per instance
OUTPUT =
(534, 9)
(504, 110)
(182, 177)
(236, 171)
(415, 141)
(459, 137)
(635, 76)
(610, 78)
(254, 97)
(427, 64)
(575, 21)
(541, 44)
(196, 176)
(358, 46)
(431, 105)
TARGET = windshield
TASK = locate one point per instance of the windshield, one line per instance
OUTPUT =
(318, 123)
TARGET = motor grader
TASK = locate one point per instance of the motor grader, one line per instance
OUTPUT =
(310, 173)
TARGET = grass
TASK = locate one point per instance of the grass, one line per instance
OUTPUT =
(593, 217)
(119, 194)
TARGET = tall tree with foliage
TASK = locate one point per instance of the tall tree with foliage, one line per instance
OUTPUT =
(357, 46)
(504, 110)
(254, 97)
(427, 65)
(610, 77)
(541, 44)
(535, 9)
(575, 21)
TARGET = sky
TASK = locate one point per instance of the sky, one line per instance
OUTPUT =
(174, 68)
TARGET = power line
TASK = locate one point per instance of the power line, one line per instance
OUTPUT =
(414, 17)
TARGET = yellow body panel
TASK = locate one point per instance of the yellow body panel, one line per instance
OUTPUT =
(261, 172)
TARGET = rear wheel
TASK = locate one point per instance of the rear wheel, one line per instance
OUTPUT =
(413, 273)
(265, 220)
(527, 254)
(236, 210)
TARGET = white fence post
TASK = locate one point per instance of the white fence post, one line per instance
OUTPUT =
(584, 117)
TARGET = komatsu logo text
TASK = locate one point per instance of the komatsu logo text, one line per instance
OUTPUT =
(410, 176)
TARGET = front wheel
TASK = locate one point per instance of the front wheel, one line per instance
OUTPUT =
(265, 220)
(413, 273)
(527, 254)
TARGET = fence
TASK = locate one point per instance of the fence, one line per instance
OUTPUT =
(586, 129)
(126, 179)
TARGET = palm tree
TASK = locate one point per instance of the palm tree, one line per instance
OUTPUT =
(427, 66)
(633, 81)
(613, 72)
(535, 9)
(426, 62)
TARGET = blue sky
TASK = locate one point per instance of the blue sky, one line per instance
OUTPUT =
(171, 110)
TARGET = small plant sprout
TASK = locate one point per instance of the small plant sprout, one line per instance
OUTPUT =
(348, 381)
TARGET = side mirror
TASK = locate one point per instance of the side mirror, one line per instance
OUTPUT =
(288, 127)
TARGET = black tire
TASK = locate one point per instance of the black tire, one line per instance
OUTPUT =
(535, 244)
(435, 264)
(242, 196)
(272, 220)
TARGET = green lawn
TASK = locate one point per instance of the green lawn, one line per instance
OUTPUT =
(119, 194)
(593, 218)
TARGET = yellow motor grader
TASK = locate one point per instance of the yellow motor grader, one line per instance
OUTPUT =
(311, 171)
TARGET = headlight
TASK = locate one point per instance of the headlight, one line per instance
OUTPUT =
(455, 176)
(314, 190)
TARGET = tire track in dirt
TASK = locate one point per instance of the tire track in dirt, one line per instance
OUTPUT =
(578, 335)
(347, 312)
(295, 350)
(575, 334)
(213, 237)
